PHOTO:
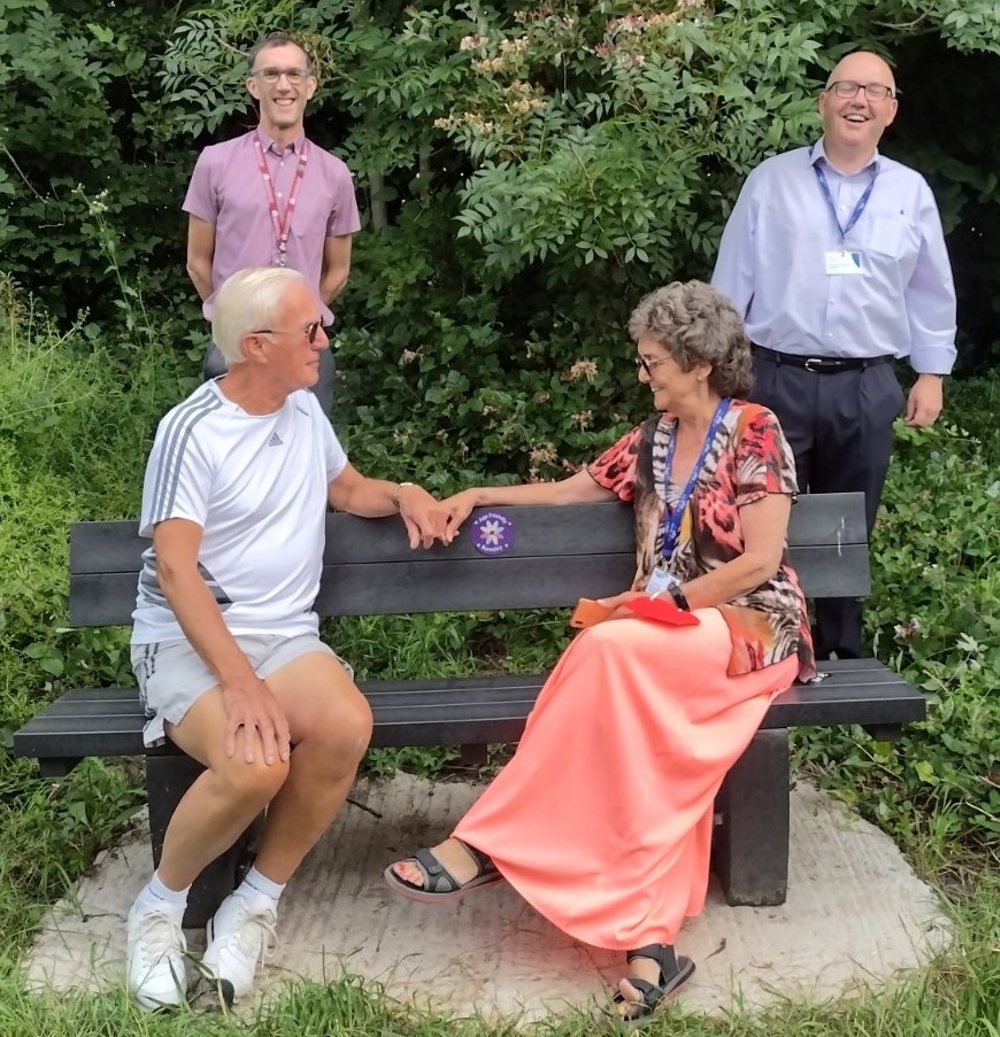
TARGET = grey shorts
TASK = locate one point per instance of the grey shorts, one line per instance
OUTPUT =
(172, 676)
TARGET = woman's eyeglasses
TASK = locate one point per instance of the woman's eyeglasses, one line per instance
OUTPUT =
(648, 365)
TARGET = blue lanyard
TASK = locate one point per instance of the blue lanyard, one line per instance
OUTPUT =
(672, 521)
(858, 209)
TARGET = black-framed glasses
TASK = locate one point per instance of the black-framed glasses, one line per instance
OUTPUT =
(873, 91)
(311, 330)
(648, 365)
(295, 76)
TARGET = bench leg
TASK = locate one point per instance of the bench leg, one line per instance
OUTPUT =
(473, 755)
(750, 847)
(167, 779)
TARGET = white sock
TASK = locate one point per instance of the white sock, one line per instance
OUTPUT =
(256, 885)
(156, 895)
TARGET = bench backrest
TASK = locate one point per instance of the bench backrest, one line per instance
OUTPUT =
(558, 555)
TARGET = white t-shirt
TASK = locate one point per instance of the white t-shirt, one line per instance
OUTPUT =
(257, 485)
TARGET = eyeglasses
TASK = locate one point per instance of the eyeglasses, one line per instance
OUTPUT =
(873, 91)
(310, 331)
(648, 365)
(295, 76)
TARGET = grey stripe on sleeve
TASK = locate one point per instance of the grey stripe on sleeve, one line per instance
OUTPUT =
(169, 431)
(175, 441)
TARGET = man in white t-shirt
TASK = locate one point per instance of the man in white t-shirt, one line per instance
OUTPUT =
(225, 641)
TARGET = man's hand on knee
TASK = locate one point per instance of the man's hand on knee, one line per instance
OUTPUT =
(251, 705)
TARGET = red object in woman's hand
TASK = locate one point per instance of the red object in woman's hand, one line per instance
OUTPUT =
(663, 611)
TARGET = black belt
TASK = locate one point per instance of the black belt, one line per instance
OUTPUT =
(823, 364)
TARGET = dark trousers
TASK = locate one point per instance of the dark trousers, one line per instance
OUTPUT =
(839, 426)
(214, 364)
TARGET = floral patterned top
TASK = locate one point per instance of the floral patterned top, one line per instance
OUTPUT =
(748, 458)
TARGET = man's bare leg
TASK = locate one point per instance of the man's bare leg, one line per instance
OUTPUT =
(223, 801)
(210, 817)
(330, 723)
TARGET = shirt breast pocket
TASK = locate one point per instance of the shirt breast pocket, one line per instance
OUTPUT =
(888, 234)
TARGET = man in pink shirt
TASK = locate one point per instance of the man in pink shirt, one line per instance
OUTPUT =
(272, 198)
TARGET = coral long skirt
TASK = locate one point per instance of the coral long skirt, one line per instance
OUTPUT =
(602, 820)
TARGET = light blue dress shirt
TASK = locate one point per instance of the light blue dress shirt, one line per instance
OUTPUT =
(772, 263)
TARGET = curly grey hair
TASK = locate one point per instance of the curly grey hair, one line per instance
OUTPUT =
(693, 322)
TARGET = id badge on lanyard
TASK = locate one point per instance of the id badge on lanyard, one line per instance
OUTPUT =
(660, 581)
(840, 264)
(843, 262)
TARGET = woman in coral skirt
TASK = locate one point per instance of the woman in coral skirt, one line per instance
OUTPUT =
(603, 818)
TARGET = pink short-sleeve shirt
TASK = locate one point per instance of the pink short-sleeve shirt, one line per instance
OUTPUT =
(227, 190)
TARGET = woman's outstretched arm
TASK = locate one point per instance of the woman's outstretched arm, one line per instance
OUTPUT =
(577, 489)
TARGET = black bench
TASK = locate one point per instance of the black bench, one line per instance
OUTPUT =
(558, 555)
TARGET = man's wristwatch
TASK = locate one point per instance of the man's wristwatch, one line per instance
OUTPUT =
(679, 599)
(395, 493)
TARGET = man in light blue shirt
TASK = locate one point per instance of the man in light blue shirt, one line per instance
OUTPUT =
(835, 257)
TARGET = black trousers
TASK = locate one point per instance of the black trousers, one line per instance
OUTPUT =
(214, 364)
(839, 426)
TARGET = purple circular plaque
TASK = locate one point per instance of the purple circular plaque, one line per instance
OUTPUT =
(492, 533)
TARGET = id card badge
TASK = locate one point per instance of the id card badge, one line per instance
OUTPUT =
(660, 581)
(843, 263)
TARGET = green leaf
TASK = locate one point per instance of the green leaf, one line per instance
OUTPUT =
(52, 664)
(101, 33)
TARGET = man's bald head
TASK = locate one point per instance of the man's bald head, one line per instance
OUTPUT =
(857, 104)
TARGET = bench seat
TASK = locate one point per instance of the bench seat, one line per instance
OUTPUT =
(459, 711)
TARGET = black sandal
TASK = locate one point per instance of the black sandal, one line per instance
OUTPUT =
(439, 883)
(674, 972)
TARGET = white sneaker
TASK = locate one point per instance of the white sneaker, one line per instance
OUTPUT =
(156, 949)
(239, 937)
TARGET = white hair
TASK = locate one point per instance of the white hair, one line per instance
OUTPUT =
(249, 301)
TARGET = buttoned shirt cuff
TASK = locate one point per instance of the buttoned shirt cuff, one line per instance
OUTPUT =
(933, 359)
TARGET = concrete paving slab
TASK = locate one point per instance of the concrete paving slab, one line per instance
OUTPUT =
(856, 916)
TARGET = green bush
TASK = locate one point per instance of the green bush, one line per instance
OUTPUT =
(934, 616)
(434, 387)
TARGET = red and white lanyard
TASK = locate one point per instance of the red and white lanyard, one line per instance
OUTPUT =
(282, 225)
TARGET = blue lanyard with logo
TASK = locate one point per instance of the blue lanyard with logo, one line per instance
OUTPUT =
(858, 209)
(672, 521)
